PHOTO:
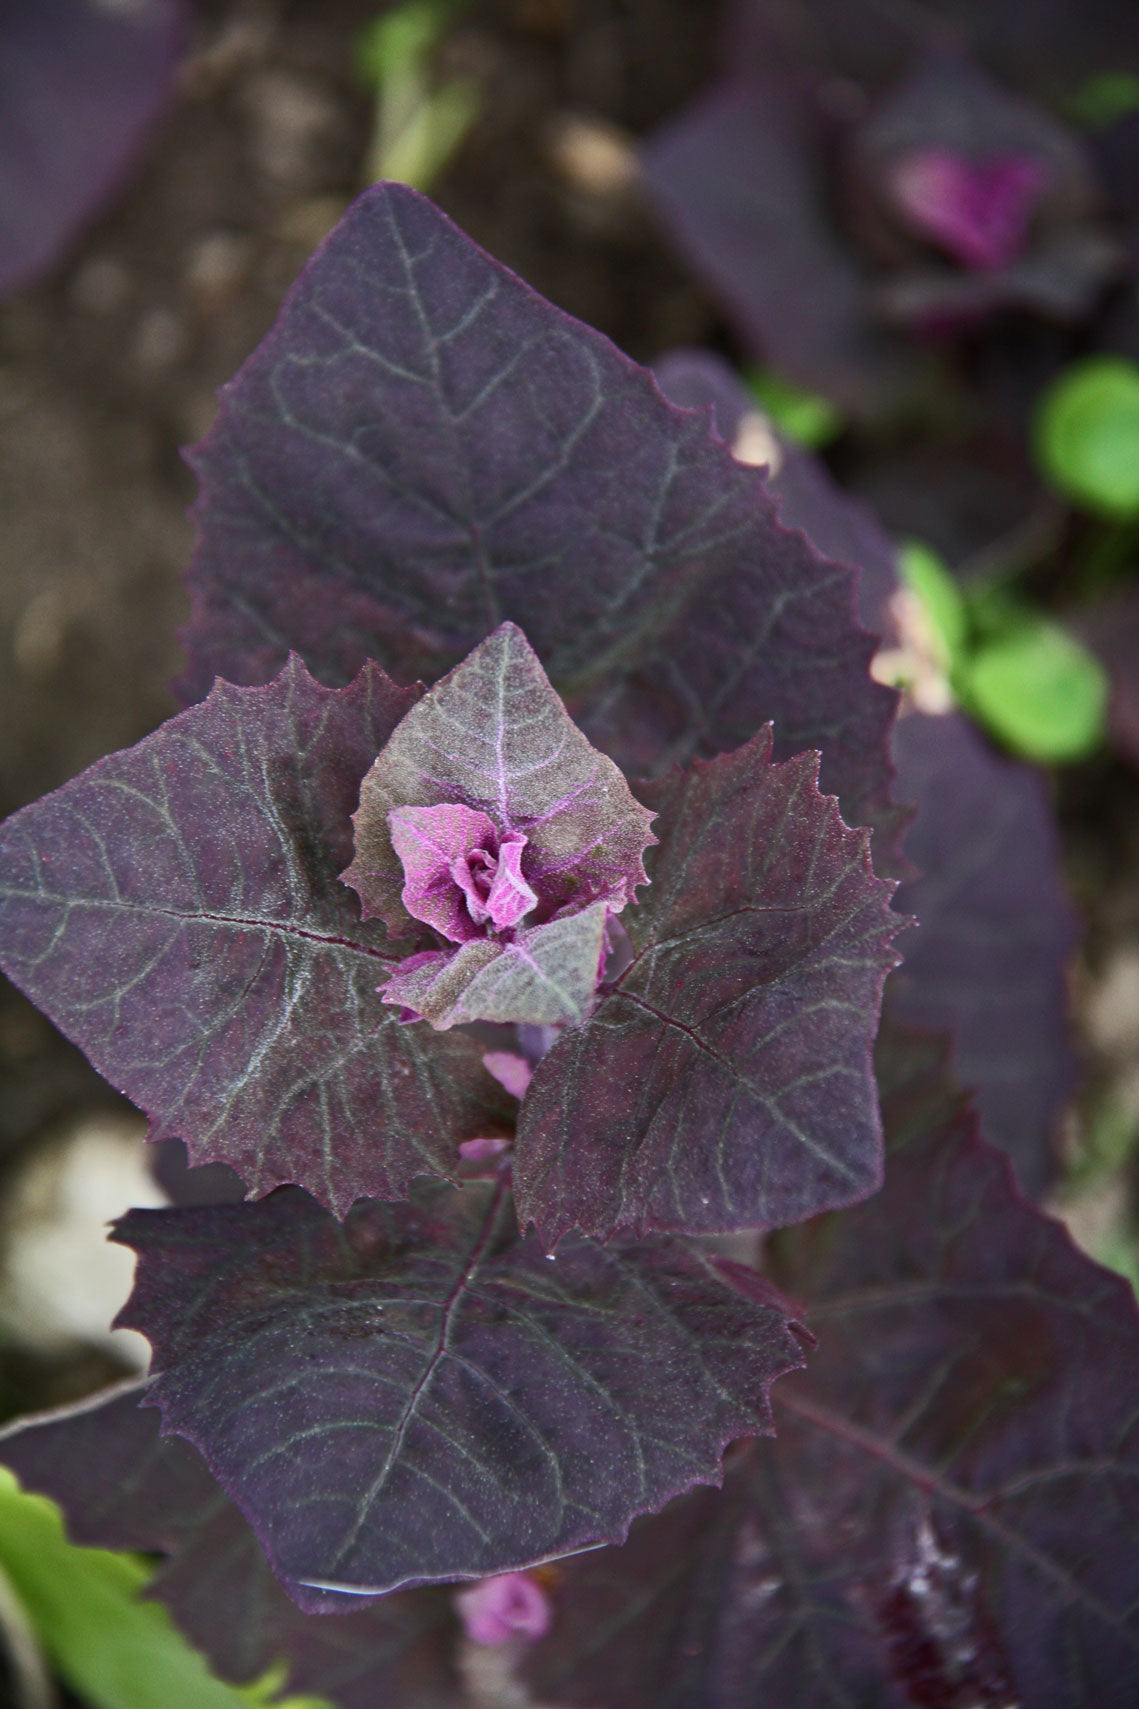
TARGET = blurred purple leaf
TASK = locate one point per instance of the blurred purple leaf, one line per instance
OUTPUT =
(177, 911)
(122, 1486)
(948, 1517)
(1018, 218)
(82, 84)
(423, 447)
(725, 1080)
(740, 181)
(996, 929)
(499, 1610)
(421, 1394)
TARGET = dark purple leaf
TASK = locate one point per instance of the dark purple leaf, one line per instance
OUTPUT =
(81, 86)
(725, 1081)
(421, 1394)
(177, 911)
(837, 524)
(989, 959)
(989, 956)
(121, 1486)
(948, 1518)
(423, 447)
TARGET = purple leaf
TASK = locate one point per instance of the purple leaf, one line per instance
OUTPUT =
(422, 1394)
(740, 181)
(725, 1081)
(545, 976)
(176, 910)
(836, 523)
(996, 929)
(81, 87)
(121, 1486)
(436, 847)
(423, 447)
(948, 1517)
(989, 958)
(493, 738)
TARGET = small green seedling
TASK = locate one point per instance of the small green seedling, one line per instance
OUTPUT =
(417, 127)
(1087, 436)
(1104, 98)
(1031, 684)
(805, 417)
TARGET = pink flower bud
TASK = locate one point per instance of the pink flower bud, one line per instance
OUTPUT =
(499, 1610)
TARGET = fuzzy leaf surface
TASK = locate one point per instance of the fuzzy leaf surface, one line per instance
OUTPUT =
(176, 911)
(988, 959)
(494, 737)
(948, 1517)
(122, 1486)
(423, 447)
(725, 1080)
(421, 1394)
(546, 976)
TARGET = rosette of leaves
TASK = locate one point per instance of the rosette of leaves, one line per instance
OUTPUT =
(392, 1379)
(277, 921)
(844, 188)
(489, 818)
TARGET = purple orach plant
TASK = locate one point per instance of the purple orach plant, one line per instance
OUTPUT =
(837, 214)
(83, 85)
(472, 1324)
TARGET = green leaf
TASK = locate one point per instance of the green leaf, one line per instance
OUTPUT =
(928, 579)
(1102, 99)
(805, 417)
(1087, 435)
(1035, 688)
(417, 128)
(395, 47)
(114, 1649)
